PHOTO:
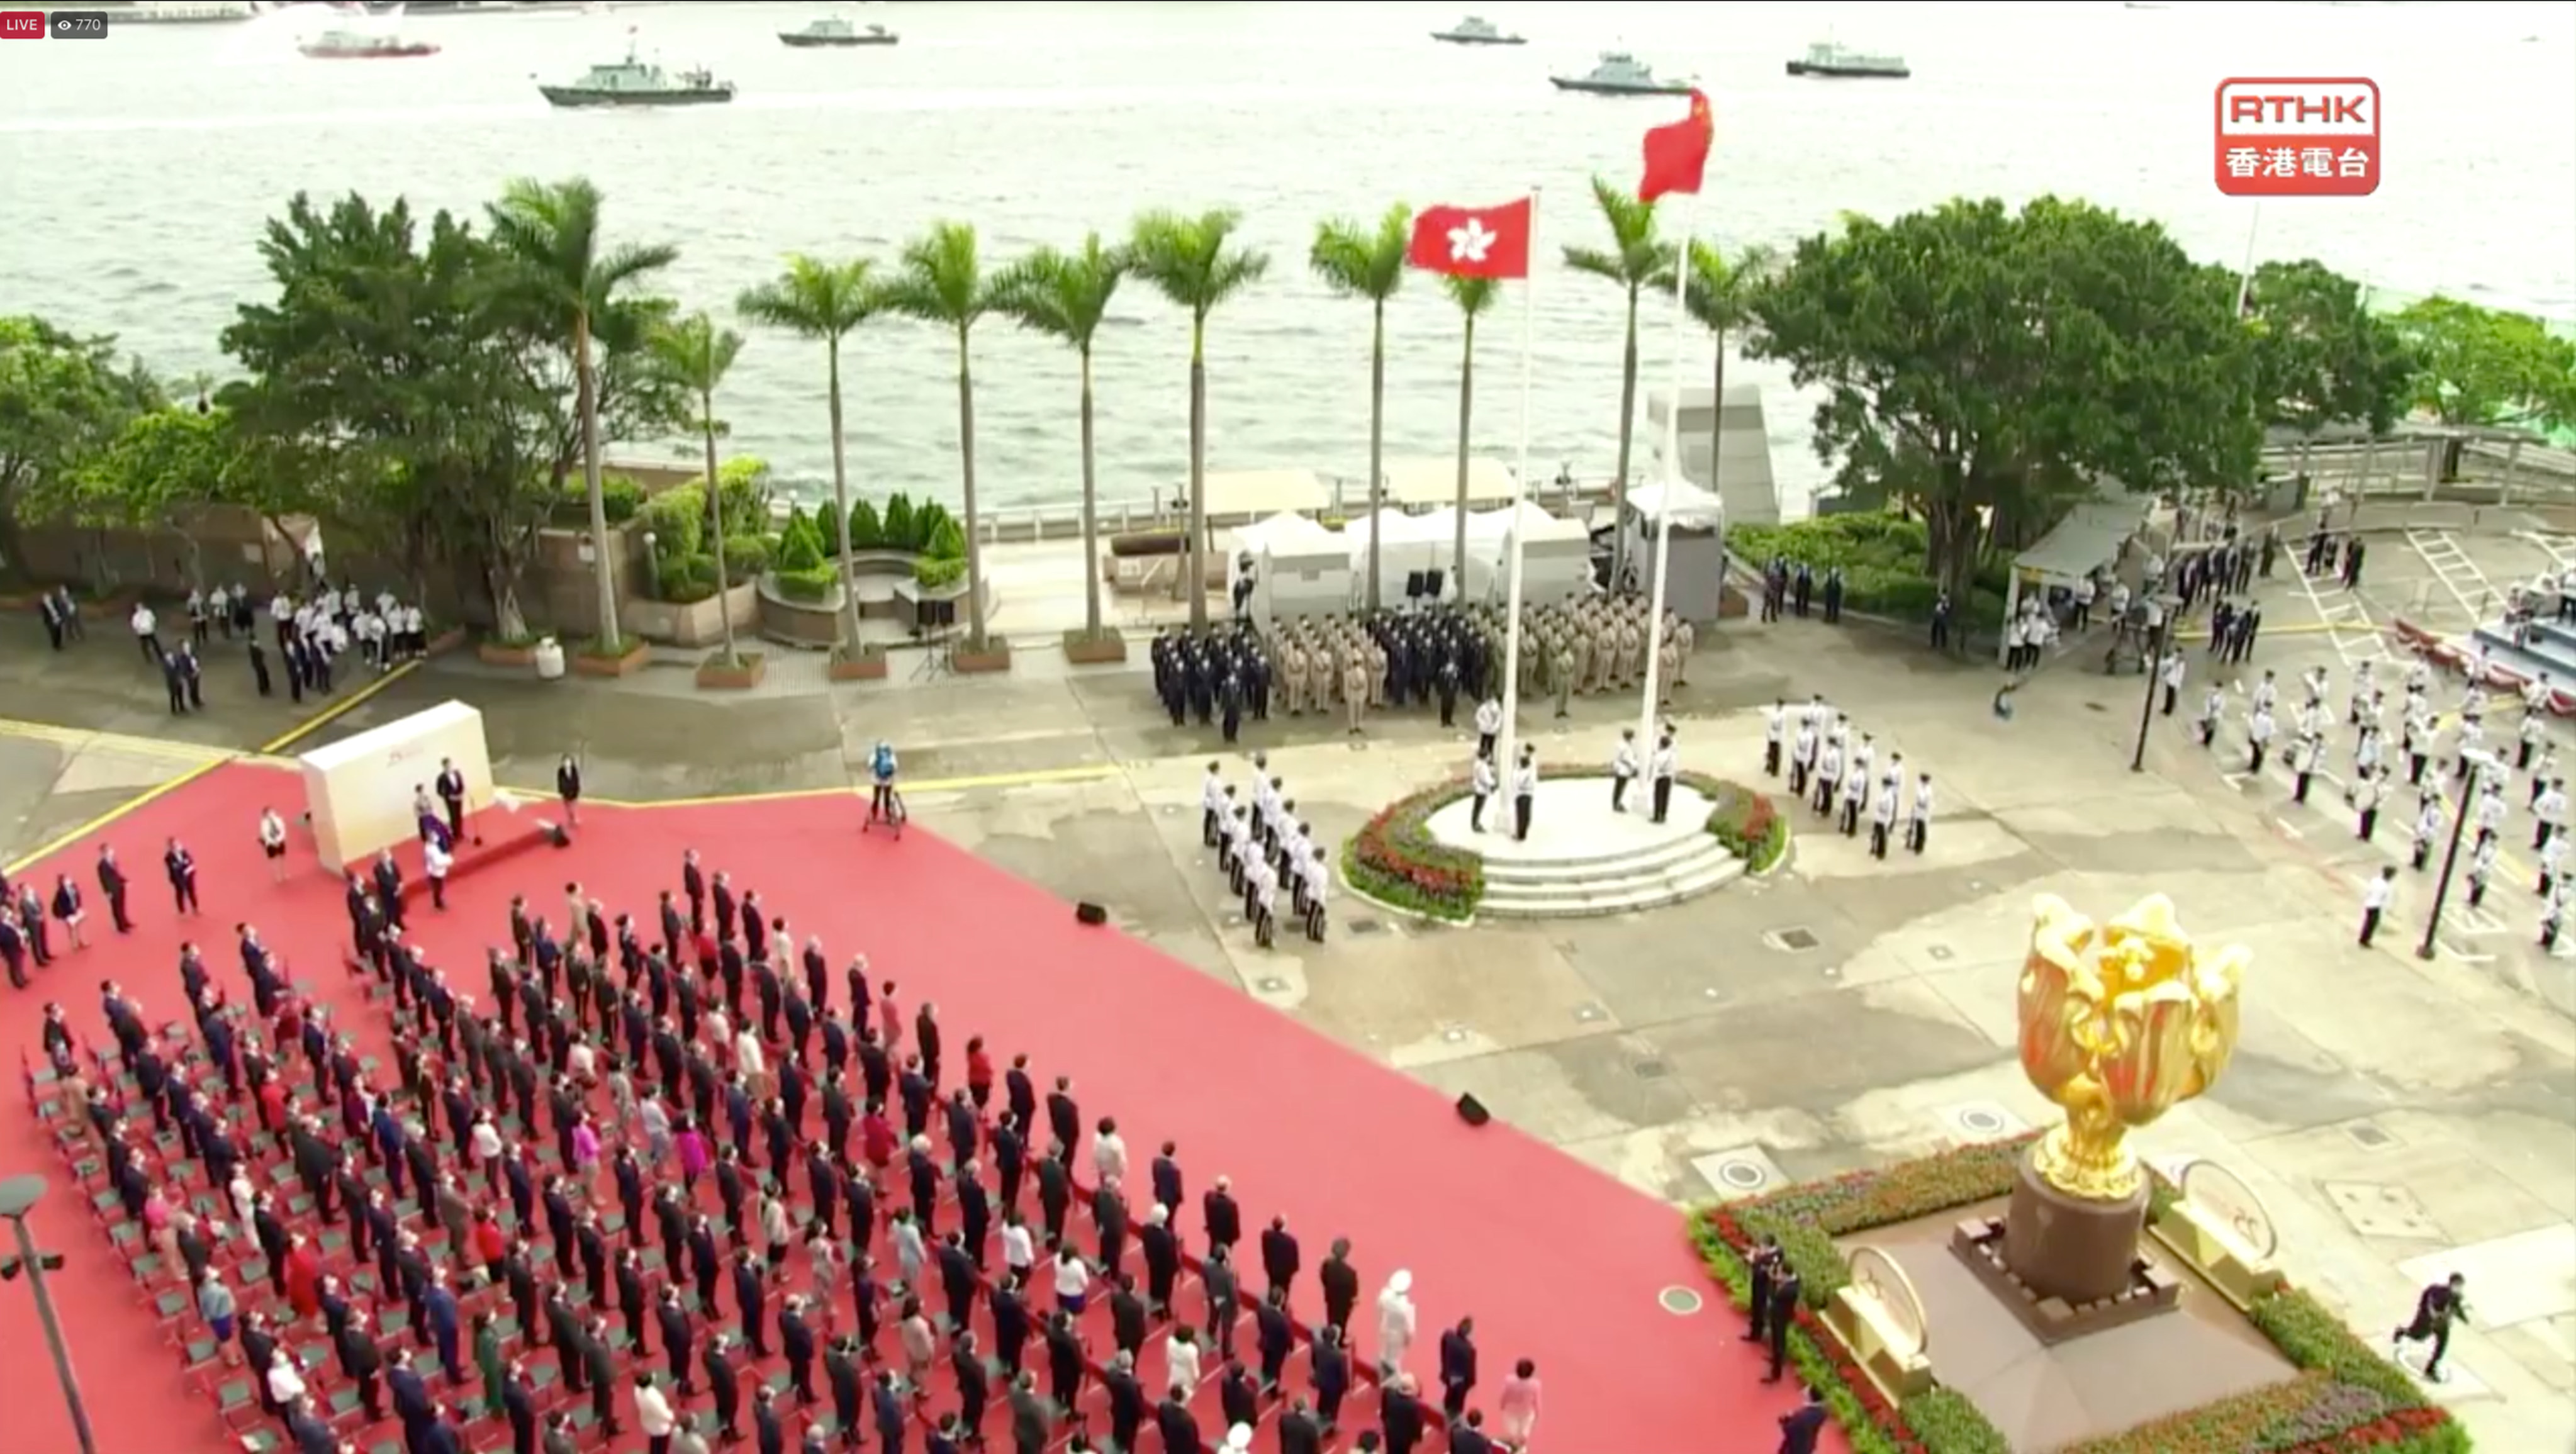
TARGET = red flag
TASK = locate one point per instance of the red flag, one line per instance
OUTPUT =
(1676, 154)
(1473, 242)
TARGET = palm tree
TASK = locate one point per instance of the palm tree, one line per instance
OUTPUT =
(940, 279)
(1719, 294)
(1065, 296)
(1195, 264)
(696, 355)
(551, 231)
(1474, 297)
(1358, 262)
(1632, 260)
(825, 300)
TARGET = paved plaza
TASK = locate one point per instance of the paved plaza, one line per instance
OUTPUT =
(2401, 1118)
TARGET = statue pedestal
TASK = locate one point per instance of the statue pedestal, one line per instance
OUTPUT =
(2065, 1265)
(2070, 1247)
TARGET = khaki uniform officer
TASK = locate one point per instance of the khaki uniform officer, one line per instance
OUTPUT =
(1605, 655)
(1632, 654)
(1564, 682)
(1292, 677)
(1681, 634)
(1579, 661)
(1376, 674)
(1355, 691)
(1668, 668)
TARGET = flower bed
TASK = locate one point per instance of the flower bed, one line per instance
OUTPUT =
(2347, 1398)
(1396, 861)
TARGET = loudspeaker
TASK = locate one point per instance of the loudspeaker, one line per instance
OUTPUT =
(1472, 1111)
(1431, 584)
(1413, 585)
(1091, 913)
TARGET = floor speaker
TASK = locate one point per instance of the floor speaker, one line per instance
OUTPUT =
(1472, 1111)
(1091, 913)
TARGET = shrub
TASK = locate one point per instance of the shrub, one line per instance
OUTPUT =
(895, 531)
(1882, 557)
(742, 492)
(747, 555)
(1746, 821)
(687, 579)
(807, 583)
(934, 574)
(867, 532)
(927, 518)
(678, 520)
(948, 542)
(799, 548)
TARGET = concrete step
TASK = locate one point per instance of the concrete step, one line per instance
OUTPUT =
(1635, 860)
(1615, 893)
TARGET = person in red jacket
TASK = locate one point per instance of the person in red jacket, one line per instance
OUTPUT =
(979, 1072)
(303, 1277)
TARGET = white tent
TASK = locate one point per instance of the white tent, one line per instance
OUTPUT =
(1556, 555)
(1433, 480)
(1285, 530)
(1300, 568)
(1410, 548)
(1691, 507)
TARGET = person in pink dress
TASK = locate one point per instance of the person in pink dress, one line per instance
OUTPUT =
(692, 1146)
(585, 1158)
(889, 1017)
(1517, 1407)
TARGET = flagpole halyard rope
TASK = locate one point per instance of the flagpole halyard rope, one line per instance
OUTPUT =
(1672, 474)
(1520, 492)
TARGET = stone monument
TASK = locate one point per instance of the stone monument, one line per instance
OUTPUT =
(2120, 1023)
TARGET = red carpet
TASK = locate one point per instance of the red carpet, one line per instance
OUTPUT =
(1555, 1261)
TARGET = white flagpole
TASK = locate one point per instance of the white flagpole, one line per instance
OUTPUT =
(2245, 278)
(1520, 491)
(1646, 735)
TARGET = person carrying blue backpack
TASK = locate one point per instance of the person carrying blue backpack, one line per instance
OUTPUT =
(885, 804)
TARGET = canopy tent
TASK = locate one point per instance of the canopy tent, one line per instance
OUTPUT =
(1556, 555)
(1536, 525)
(1299, 568)
(1283, 533)
(1412, 551)
(1259, 493)
(1434, 481)
(2090, 537)
(1691, 507)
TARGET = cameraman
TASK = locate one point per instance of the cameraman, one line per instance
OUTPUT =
(883, 800)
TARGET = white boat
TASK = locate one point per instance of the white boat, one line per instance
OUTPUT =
(1620, 74)
(1829, 61)
(364, 45)
(1476, 30)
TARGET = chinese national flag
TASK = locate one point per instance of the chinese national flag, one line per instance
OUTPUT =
(1473, 242)
(1677, 154)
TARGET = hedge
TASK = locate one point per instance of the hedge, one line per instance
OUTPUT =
(2346, 1398)
(1882, 558)
(1396, 860)
(933, 574)
(618, 495)
(812, 583)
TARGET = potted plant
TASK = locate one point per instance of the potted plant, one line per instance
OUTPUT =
(1084, 647)
(993, 653)
(863, 662)
(598, 658)
(737, 671)
(498, 650)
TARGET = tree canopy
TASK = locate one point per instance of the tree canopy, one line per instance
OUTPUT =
(2321, 356)
(2484, 366)
(1984, 367)
(63, 398)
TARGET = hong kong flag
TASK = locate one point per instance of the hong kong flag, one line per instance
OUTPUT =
(1473, 242)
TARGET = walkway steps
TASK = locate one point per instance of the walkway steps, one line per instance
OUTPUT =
(1625, 884)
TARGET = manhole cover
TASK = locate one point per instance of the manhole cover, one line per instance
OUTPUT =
(1940, 952)
(1366, 926)
(2368, 1136)
(1984, 1123)
(1681, 1302)
(1271, 984)
(1651, 1069)
(1742, 1175)
(1454, 1035)
(1792, 940)
(1587, 1013)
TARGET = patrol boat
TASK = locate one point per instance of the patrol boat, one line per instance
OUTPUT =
(633, 82)
(1476, 30)
(832, 31)
(1622, 74)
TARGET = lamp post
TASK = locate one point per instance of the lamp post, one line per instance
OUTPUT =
(2153, 661)
(18, 1196)
(2471, 780)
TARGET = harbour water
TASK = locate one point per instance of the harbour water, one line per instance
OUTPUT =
(135, 175)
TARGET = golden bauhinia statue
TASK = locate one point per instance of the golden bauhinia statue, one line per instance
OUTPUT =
(2120, 1022)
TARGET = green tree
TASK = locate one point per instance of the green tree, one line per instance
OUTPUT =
(1719, 297)
(62, 397)
(564, 269)
(940, 279)
(2321, 357)
(697, 355)
(156, 476)
(1197, 265)
(1474, 298)
(1356, 260)
(1065, 296)
(1632, 261)
(2487, 366)
(814, 299)
(1980, 365)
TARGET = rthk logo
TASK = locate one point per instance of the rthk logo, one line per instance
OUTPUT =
(2298, 137)
(22, 25)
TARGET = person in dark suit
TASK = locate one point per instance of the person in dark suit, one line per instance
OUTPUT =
(676, 1339)
(412, 1403)
(1300, 1432)
(111, 886)
(1468, 1436)
(887, 1407)
(724, 1388)
(1331, 1374)
(519, 1406)
(1400, 1415)
(1457, 1368)
(1802, 1427)
(1784, 1308)
(796, 1341)
(1127, 1402)
(1280, 1256)
(1128, 1318)
(1178, 1426)
(1031, 1422)
(1341, 1287)
(1222, 1216)
(1064, 1114)
(1274, 1336)
(1761, 1269)
(1238, 1396)
(364, 1362)
(974, 1385)
(768, 1426)
(841, 1374)
(750, 1296)
(1055, 1191)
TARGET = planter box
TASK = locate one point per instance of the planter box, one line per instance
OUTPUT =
(1084, 649)
(698, 623)
(447, 640)
(996, 656)
(638, 652)
(496, 653)
(799, 623)
(870, 667)
(745, 673)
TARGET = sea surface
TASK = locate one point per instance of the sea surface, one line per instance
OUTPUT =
(136, 172)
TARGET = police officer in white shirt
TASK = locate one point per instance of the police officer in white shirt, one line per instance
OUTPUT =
(2529, 733)
(2491, 811)
(1212, 791)
(2213, 709)
(2428, 827)
(2367, 795)
(2258, 738)
(1661, 769)
(1774, 723)
(1489, 725)
(1918, 823)
(2553, 863)
(2481, 868)
(1829, 778)
(2170, 675)
(437, 860)
(1802, 758)
(2550, 811)
(146, 631)
(2266, 692)
(1480, 783)
(2544, 773)
(1319, 878)
(1524, 792)
(1855, 796)
(1882, 819)
(2374, 902)
(1623, 769)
